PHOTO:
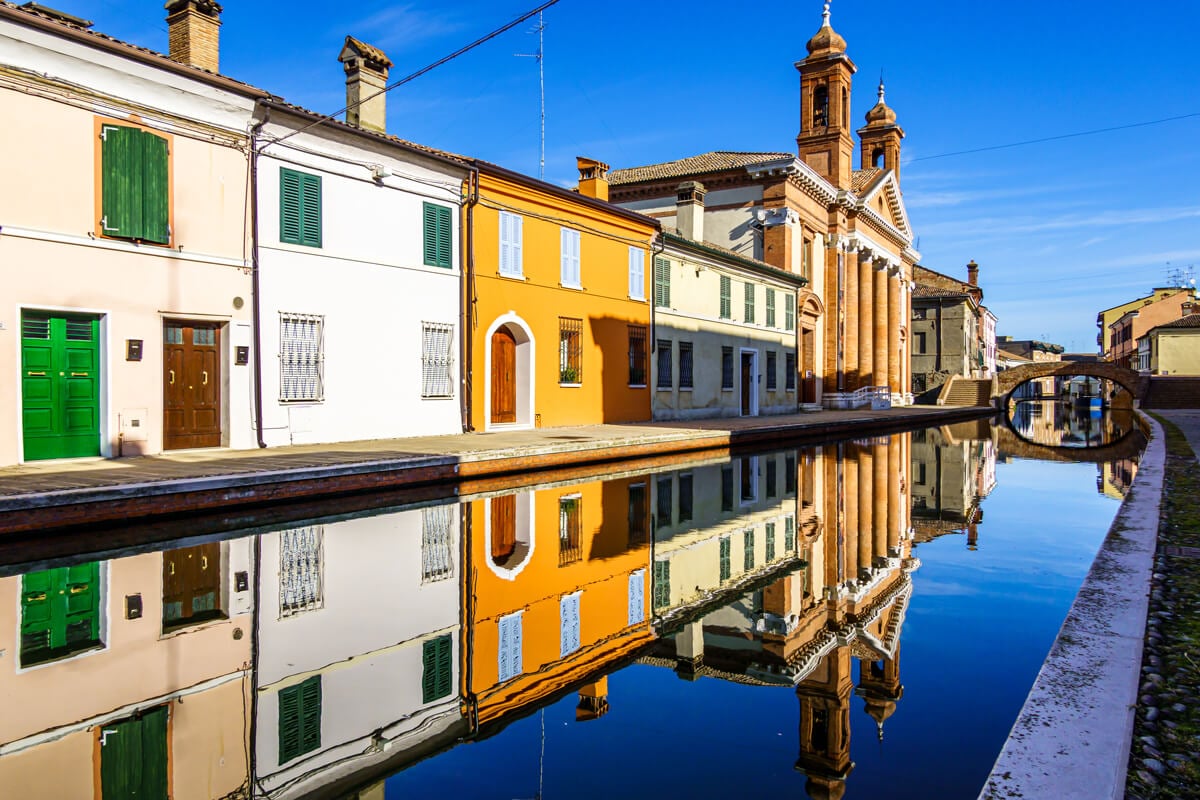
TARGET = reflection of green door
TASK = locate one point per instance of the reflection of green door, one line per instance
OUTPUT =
(133, 757)
(60, 385)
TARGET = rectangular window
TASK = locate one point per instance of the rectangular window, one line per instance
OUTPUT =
(727, 487)
(299, 208)
(511, 227)
(438, 249)
(727, 368)
(509, 651)
(570, 529)
(299, 719)
(686, 373)
(770, 308)
(920, 348)
(665, 379)
(770, 555)
(789, 370)
(806, 259)
(772, 475)
(662, 515)
(638, 511)
(662, 283)
(437, 359)
(789, 534)
(60, 612)
(662, 584)
(637, 273)
(570, 350)
(772, 372)
(749, 480)
(134, 185)
(789, 312)
(571, 275)
(637, 596)
(301, 357)
(637, 355)
(749, 315)
(726, 297)
(789, 474)
(726, 567)
(301, 570)
(685, 497)
(748, 550)
(568, 615)
(436, 670)
(437, 559)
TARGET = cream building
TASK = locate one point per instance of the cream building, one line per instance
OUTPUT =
(1173, 348)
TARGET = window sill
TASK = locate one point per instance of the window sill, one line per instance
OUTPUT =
(637, 386)
(562, 385)
(686, 388)
(664, 388)
(572, 286)
(637, 299)
(516, 277)
(300, 400)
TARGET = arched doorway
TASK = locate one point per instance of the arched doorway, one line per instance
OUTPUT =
(504, 377)
(508, 392)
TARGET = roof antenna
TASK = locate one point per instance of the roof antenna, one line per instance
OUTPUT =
(540, 29)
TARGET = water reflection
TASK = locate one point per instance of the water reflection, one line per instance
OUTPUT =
(322, 658)
(1065, 423)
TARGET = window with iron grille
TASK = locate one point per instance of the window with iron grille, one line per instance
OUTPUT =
(789, 312)
(437, 559)
(727, 368)
(570, 529)
(789, 369)
(570, 350)
(770, 556)
(770, 308)
(301, 570)
(749, 315)
(665, 378)
(685, 497)
(437, 358)
(637, 355)
(772, 372)
(748, 550)
(662, 515)
(726, 297)
(686, 375)
(301, 357)
(662, 283)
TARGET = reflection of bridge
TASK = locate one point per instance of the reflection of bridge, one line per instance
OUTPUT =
(1010, 443)
(1010, 379)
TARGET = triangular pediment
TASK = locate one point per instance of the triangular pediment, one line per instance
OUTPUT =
(882, 196)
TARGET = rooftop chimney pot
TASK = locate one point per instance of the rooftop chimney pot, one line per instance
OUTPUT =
(366, 78)
(972, 273)
(593, 178)
(193, 33)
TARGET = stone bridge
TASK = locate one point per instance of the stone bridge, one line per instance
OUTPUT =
(1011, 443)
(1131, 381)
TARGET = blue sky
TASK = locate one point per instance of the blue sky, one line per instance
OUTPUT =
(1060, 229)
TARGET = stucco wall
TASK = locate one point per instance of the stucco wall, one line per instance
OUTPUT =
(1178, 353)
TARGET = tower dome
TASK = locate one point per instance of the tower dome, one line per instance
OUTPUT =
(880, 113)
(827, 41)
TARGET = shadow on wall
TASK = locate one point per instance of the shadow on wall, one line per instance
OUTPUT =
(626, 350)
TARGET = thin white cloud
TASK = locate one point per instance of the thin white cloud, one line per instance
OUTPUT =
(402, 27)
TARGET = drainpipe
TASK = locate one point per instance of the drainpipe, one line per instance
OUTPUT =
(662, 246)
(467, 293)
(254, 274)
(255, 625)
(796, 365)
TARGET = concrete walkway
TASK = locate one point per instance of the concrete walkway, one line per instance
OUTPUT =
(41, 495)
(1188, 422)
(1072, 738)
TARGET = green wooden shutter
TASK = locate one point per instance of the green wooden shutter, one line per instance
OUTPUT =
(155, 190)
(121, 181)
(726, 568)
(154, 753)
(289, 206)
(310, 208)
(310, 714)
(662, 283)
(435, 677)
(437, 235)
(726, 300)
(299, 719)
(289, 723)
(36, 615)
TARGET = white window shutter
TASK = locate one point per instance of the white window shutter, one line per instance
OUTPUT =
(518, 266)
(637, 273)
(637, 596)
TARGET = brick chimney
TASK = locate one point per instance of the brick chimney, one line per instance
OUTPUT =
(593, 178)
(366, 75)
(689, 210)
(972, 273)
(193, 32)
(1189, 307)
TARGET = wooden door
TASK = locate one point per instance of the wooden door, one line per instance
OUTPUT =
(60, 385)
(504, 376)
(192, 585)
(504, 528)
(133, 757)
(808, 366)
(747, 383)
(191, 385)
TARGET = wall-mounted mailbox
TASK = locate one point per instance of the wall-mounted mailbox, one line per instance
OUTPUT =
(241, 355)
(133, 349)
(133, 606)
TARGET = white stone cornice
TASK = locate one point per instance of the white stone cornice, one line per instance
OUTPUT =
(802, 174)
(912, 255)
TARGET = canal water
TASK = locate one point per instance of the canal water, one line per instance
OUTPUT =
(859, 619)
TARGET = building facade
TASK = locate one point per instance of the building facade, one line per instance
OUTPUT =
(1105, 338)
(1133, 324)
(953, 333)
(1172, 348)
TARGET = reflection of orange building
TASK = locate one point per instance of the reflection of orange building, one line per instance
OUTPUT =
(556, 590)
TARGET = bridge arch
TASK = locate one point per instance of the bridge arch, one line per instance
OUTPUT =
(1131, 381)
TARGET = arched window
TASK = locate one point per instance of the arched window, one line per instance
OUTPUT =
(845, 108)
(877, 158)
(820, 110)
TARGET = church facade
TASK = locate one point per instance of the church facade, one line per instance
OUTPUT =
(844, 230)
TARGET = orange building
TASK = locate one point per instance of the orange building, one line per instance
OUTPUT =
(556, 593)
(556, 303)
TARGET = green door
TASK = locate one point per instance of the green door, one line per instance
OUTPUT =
(60, 385)
(60, 612)
(133, 757)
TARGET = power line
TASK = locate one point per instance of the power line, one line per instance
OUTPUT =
(1057, 138)
(423, 70)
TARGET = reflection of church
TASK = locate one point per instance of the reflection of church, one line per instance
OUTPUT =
(841, 598)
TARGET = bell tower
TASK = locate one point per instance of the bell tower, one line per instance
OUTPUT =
(824, 142)
(880, 137)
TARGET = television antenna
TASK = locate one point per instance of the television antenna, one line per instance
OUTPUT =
(540, 30)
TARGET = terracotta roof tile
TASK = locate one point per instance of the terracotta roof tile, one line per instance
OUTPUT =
(921, 290)
(862, 178)
(1190, 321)
(369, 52)
(705, 162)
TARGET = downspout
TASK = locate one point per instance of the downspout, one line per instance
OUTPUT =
(467, 294)
(662, 246)
(256, 624)
(796, 365)
(255, 283)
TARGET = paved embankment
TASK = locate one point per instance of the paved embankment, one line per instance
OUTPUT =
(44, 495)
(1072, 738)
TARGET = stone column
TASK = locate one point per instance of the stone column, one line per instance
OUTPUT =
(893, 333)
(866, 509)
(833, 507)
(866, 327)
(895, 473)
(849, 326)
(879, 532)
(848, 542)
(880, 332)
